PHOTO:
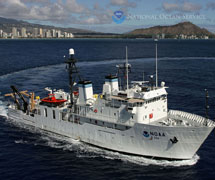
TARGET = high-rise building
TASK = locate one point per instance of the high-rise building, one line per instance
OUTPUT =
(4, 35)
(71, 35)
(23, 32)
(48, 34)
(53, 33)
(44, 32)
(59, 34)
(14, 32)
(41, 32)
(1, 33)
(29, 34)
(35, 32)
(65, 35)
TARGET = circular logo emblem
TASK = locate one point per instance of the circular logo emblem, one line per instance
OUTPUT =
(145, 134)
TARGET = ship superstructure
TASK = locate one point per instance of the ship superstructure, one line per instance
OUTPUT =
(133, 118)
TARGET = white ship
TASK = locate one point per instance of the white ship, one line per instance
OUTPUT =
(133, 119)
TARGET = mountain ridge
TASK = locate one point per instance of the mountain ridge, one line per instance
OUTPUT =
(170, 31)
(7, 24)
(186, 28)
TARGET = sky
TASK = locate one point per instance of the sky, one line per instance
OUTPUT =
(99, 15)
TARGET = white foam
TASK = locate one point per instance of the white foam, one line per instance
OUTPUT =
(135, 159)
(21, 141)
(3, 109)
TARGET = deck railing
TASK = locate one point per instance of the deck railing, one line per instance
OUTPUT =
(196, 118)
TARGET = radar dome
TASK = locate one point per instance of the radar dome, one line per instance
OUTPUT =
(162, 84)
(71, 51)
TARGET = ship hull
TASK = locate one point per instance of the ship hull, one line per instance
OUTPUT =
(141, 139)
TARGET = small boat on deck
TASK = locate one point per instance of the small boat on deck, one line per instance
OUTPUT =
(52, 100)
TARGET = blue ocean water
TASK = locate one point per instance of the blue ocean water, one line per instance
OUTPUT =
(187, 67)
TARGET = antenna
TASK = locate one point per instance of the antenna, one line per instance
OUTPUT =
(151, 81)
(73, 72)
(156, 62)
(121, 73)
(126, 49)
(206, 106)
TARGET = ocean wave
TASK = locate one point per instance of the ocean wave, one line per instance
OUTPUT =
(23, 71)
(3, 109)
(103, 62)
(143, 161)
(21, 141)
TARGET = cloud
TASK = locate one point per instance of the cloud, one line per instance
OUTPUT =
(13, 8)
(181, 7)
(123, 3)
(20, 9)
(74, 7)
(63, 12)
(170, 7)
(97, 15)
(37, 1)
(211, 5)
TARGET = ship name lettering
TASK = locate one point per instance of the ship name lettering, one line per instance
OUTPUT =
(157, 134)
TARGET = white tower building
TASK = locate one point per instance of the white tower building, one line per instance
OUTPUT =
(23, 33)
(14, 32)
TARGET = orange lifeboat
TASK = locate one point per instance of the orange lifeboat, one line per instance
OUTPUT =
(52, 100)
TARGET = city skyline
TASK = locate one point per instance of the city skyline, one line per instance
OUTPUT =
(97, 15)
(11, 29)
(35, 33)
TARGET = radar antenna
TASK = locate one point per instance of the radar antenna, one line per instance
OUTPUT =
(151, 81)
(73, 72)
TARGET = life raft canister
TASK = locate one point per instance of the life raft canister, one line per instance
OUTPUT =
(151, 116)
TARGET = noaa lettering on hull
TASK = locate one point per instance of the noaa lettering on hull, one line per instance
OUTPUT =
(128, 117)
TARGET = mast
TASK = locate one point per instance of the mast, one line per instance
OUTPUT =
(126, 66)
(123, 70)
(206, 106)
(73, 72)
(122, 74)
(156, 62)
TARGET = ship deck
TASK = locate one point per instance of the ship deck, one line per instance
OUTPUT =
(184, 119)
(129, 100)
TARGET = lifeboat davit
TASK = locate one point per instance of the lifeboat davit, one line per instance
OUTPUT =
(52, 100)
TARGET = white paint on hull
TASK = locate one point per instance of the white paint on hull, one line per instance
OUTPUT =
(129, 141)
